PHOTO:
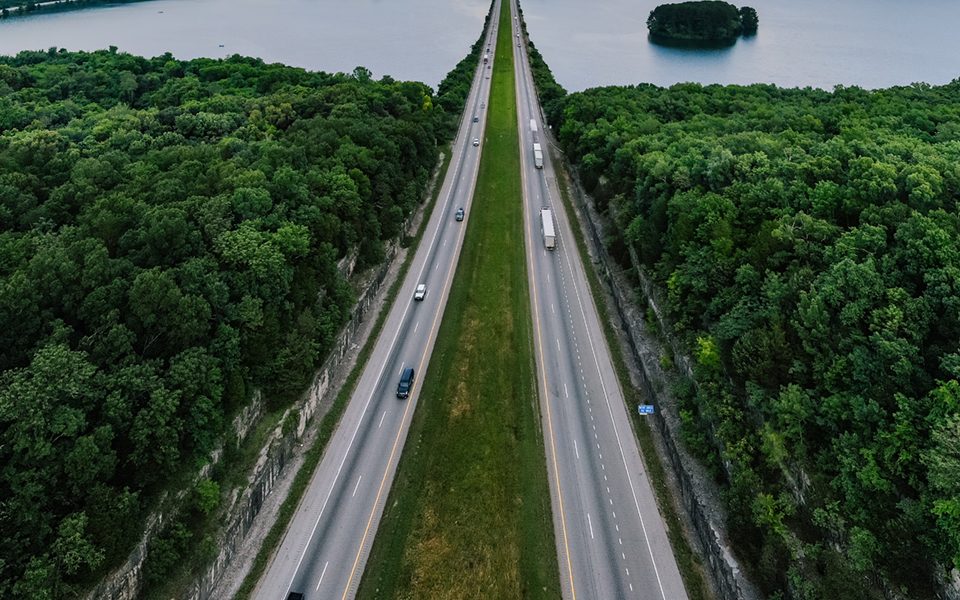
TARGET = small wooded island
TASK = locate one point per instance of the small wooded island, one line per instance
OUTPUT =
(703, 21)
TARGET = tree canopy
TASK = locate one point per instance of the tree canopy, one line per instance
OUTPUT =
(808, 243)
(702, 20)
(169, 238)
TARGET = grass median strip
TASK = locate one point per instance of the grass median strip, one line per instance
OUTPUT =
(469, 512)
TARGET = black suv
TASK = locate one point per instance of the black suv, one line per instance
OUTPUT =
(406, 383)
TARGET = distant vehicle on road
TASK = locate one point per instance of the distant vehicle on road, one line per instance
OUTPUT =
(533, 125)
(460, 214)
(546, 225)
(420, 292)
(406, 384)
(295, 596)
(476, 119)
(537, 156)
(476, 141)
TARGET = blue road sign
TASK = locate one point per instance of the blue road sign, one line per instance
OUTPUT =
(645, 409)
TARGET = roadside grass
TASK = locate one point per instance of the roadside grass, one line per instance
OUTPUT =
(332, 418)
(469, 512)
(688, 562)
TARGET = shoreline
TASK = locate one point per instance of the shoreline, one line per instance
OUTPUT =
(49, 6)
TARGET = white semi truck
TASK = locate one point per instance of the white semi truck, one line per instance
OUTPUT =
(546, 224)
(537, 156)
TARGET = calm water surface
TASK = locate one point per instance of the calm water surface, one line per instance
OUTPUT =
(418, 40)
(818, 43)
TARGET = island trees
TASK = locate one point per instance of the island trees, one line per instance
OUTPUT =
(701, 21)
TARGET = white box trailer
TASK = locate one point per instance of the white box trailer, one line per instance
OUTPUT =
(546, 224)
(533, 125)
(537, 156)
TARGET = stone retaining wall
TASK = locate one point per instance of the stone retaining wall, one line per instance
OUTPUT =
(126, 581)
(280, 449)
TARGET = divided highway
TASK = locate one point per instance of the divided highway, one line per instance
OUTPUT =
(325, 548)
(611, 539)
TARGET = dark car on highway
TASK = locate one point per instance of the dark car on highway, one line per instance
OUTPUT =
(460, 214)
(406, 383)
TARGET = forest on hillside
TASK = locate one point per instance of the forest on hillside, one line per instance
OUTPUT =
(169, 238)
(808, 245)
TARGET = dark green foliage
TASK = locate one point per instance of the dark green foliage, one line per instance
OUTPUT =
(809, 245)
(169, 239)
(705, 20)
(749, 20)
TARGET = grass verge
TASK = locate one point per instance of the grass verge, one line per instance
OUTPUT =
(330, 420)
(469, 512)
(688, 562)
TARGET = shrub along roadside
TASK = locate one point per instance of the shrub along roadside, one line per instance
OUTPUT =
(550, 92)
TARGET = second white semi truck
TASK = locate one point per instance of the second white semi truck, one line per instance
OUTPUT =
(546, 224)
(537, 156)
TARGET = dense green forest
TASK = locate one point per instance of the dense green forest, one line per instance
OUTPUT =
(705, 20)
(808, 243)
(169, 238)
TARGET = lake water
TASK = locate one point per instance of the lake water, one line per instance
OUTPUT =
(418, 40)
(818, 43)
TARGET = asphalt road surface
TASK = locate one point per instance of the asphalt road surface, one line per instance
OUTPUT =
(611, 539)
(325, 548)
